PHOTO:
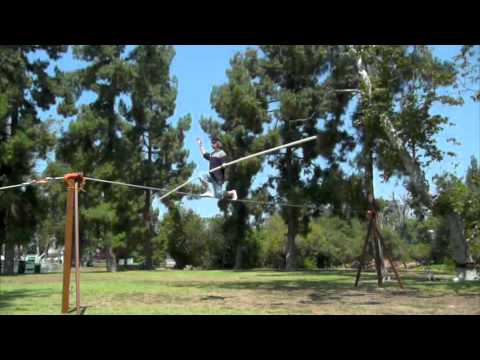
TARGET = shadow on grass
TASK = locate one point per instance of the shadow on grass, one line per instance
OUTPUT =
(280, 273)
(7, 297)
(467, 289)
(207, 298)
(327, 291)
(82, 309)
(321, 290)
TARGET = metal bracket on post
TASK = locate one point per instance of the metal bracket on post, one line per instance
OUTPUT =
(71, 230)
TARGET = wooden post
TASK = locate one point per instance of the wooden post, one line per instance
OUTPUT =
(71, 220)
(67, 255)
(77, 250)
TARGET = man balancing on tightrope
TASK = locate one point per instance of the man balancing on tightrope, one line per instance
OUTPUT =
(214, 181)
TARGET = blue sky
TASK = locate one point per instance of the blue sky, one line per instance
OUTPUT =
(200, 67)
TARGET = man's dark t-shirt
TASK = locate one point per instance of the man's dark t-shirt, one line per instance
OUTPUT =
(216, 159)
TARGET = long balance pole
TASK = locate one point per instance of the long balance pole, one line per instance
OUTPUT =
(298, 142)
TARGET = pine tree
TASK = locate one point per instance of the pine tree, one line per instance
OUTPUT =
(25, 87)
(468, 62)
(157, 143)
(472, 178)
(243, 110)
(96, 144)
(298, 81)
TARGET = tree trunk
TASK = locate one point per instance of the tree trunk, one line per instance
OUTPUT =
(241, 215)
(378, 250)
(290, 260)
(147, 248)
(2, 238)
(238, 257)
(111, 259)
(9, 263)
(147, 241)
(461, 253)
(460, 250)
(9, 259)
(291, 257)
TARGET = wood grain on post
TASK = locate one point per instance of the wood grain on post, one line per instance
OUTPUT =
(67, 255)
(77, 250)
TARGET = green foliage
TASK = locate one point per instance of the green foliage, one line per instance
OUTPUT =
(274, 94)
(182, 236)
(25, 87)
(298, 80)
(3, 106)
(463, 199)
(453, 194)
(332, 241)
(394, 123)
(159, 158)
(468, 61)
(420, 252)
(243, 110)
(53, 200)
(472, 178)
(216, 249)
(124, 135)
(96, 144)
(271, 237)
(395, 246)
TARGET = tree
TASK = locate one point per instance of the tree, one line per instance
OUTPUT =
(458, 204)
(398, 86)
(25, 87)
(297, 79)
(96, 144)
(473, 174)
(331, 242)
(243, 110)
(472, 181)
(468, 62)
(182, 237)
(271, 237)
(162, 160)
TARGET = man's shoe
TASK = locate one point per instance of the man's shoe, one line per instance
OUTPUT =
(207, 194)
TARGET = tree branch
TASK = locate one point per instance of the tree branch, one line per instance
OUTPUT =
(413, 169)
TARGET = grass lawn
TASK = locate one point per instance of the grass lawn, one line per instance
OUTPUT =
(243, 292)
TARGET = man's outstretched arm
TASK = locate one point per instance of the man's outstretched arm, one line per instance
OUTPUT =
(202, 150)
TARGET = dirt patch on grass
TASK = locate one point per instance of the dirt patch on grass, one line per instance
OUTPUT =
(278, 295)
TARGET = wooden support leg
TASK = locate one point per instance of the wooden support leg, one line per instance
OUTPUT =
(67, 255)
(397, 276)
(378, 259)
(77, 250)
(364, 251)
